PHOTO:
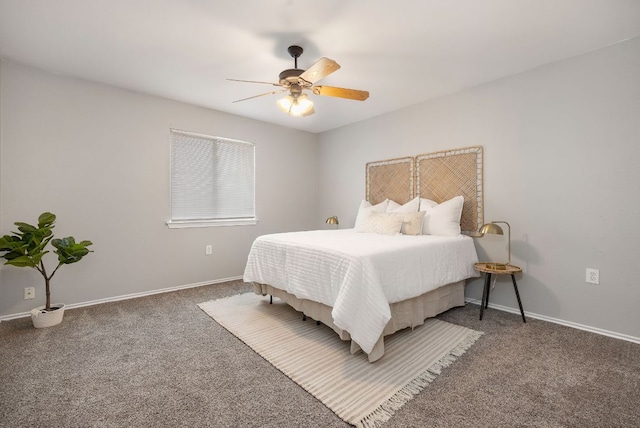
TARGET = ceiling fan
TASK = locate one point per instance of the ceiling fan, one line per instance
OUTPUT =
(295, 81)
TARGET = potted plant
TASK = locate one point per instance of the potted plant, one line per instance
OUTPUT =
(27, 247)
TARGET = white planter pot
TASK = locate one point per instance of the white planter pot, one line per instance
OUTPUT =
(42, 318)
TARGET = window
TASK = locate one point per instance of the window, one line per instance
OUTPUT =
(212, 181)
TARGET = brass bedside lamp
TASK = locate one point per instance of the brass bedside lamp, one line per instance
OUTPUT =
(333, 220)
(493, 229)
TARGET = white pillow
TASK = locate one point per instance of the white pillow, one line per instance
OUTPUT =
(381, 223)
(425, 204)
(392, 205)
(366, 208)
(409, 207)
(444, 218)
(412, 223)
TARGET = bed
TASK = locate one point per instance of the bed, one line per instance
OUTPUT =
(371, 281)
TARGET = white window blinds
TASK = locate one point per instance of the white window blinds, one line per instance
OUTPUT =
(212, 180)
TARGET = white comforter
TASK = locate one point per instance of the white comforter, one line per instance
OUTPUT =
(359, 274)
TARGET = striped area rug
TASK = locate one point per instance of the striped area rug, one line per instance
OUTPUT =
(361, 393)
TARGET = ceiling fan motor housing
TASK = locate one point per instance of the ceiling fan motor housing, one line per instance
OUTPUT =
(290, 76)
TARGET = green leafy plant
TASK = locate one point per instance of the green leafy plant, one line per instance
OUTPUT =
(27, 247)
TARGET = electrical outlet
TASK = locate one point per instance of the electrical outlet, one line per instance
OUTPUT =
(593, 276)
(208, 250)
(29, 293)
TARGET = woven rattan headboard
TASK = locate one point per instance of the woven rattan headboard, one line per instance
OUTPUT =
(437, 176)
(391, 179)
(442, 175)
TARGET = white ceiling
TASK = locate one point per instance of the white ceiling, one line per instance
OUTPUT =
(403, 52)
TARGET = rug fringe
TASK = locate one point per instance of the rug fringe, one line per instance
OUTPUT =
(387, 409)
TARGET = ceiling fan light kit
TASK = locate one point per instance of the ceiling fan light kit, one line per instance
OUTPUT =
(296, 80)
(300, 105)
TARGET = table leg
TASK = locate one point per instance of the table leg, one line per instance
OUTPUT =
(515, 287)
(486, 300)
(485, 293)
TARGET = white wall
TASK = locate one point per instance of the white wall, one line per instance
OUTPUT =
(561, 146)
(561, 143)
(98, 157)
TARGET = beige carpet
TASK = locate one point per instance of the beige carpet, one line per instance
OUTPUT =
(361, 393)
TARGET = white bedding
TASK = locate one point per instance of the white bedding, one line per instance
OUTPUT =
(359, 274)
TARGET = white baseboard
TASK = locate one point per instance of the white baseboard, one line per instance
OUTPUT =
(127, 296)
(218, 281)
(559, 321)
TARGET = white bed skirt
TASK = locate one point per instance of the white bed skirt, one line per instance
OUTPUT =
(408, 313)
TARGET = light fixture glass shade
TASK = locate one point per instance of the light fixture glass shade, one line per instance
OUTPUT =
(296, 106)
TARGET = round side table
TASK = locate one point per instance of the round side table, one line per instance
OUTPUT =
(490, 269)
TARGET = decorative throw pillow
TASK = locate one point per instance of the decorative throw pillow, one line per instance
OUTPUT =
(381, 223)
(444, 218)
(412, 223)
(409, 207)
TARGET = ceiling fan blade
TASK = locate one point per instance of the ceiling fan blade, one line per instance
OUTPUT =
(261, 95)
(332, 91)
(321, 69)
(255, 81)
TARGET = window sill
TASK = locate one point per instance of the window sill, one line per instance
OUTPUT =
(181, 224)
